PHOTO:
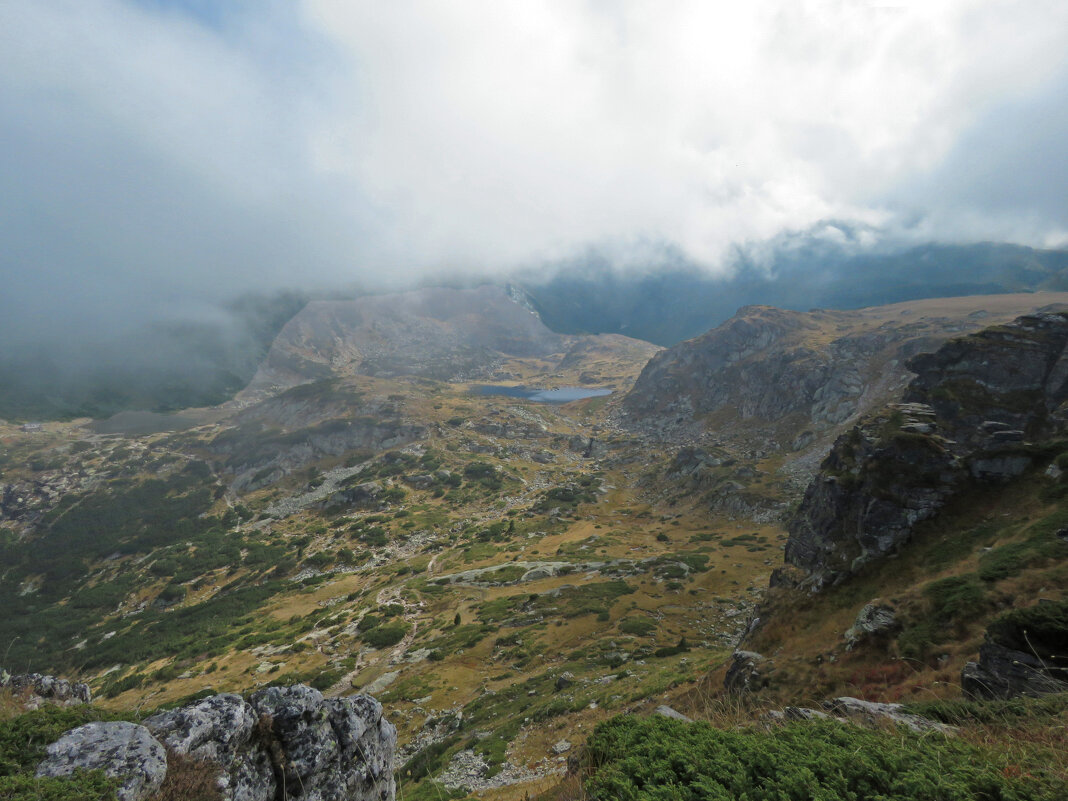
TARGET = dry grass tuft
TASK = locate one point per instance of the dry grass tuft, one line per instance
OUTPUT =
(188, 779)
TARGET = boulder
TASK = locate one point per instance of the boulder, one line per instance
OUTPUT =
(285, 743)
(747, 673)
(1006, 673)
(337, 750)
(874, 619)
(222, 730)
(38, 688)
(124, 751)
(870, 713)
(666, 711)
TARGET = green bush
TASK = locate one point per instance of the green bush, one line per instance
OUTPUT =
(660, 759)
(385, 635)
(91, 786)
(637, 626)
(955, 599)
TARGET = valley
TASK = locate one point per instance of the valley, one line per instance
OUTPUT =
(504, 574)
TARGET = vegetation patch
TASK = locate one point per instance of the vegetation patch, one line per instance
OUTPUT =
(658, 758)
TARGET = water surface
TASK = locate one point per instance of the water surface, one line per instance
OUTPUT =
(559, 395)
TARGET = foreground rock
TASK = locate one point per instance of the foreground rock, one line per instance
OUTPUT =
(124, 751)
(284, 743)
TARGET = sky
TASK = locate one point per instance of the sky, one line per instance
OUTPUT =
(156, 155)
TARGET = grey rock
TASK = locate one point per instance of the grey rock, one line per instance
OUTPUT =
(561, 747)
(871, 712)
(747, 673)
(124, 751)
(564, 680)
(874, 619)
(803, 713)
(321, 749)
(222, 730)
(666, 711)
(38, 688)
(1006, 673)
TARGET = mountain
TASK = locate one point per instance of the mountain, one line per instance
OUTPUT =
(678, 301)
(932, 544)
(508, 575)
(786, 379)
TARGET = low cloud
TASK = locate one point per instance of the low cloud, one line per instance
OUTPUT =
(160, 155)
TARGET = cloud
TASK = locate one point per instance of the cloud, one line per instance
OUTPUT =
(158, 154)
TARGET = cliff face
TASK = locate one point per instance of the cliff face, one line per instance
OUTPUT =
(975, 412)
(797, 377)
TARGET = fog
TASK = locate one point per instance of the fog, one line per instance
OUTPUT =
(158, 156)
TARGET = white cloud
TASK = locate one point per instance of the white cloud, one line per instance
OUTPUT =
(152, 155)
(501, 132)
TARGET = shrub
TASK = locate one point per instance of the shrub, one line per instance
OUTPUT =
(91, 786)
(659, 758)
(385, 635)
(637, 626)
(955, 599)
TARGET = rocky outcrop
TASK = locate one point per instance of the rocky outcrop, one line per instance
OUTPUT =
(283, 743)
(35, 689)
(875, 619)
(796, 378)
(970, 415)
(877, 483)
(124, 751)
(1025, 653)
(871, 713)
(748, 672)
(1005, 673)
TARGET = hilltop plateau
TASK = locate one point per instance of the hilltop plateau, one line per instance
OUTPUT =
(505, 574)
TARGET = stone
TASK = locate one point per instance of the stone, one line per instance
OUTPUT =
(871, 712)
(337, 750)
(1006, 673)
(222, 730)
(666, 711)
(803, 713)
(564, 680)
(747, 673)
(38, 688)
(561, 747)
(124, 751)
(874, 619)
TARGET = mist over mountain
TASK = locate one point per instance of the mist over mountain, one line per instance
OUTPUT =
(199, 359)
(682, 302)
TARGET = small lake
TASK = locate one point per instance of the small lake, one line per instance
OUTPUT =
(561, 395)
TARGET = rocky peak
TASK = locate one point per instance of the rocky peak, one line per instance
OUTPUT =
(776, 373)
(968, 416)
